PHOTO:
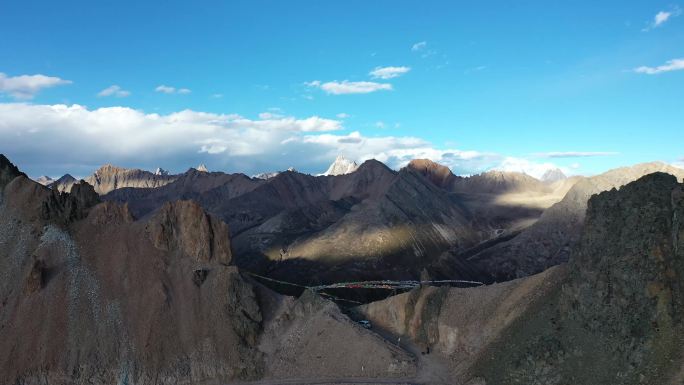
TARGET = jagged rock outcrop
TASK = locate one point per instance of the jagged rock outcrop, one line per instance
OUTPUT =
(183, 226)
(65, 208)
(8, 171)
(341, 166)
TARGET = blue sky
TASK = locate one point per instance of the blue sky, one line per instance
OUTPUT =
(513, 85)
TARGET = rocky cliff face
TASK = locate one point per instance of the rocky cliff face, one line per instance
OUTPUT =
(88, 295)
(183, 226)
(8, 171)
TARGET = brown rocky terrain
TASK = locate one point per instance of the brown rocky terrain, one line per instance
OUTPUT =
(371, 223)
(90, 295)
(612, 315)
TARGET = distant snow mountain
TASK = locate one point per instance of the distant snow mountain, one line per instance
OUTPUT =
(273, 174)
(45, 180)
(266, 175)
(553, 175)
(341, 166)
(63, 184)
(202, 168)
(161, 171)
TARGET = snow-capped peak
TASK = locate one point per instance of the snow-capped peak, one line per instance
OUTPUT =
(553, 175)
(160, 171)
(201, 168)
(341, 166)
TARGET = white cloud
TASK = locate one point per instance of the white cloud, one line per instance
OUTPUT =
(171, 90)
(269, 115)
(574, 154)
(121, 135)
(670, 65)
(25, 87)
(661, 17)
(347, 87)
(388, 72)
(421, 45)
(114, 90)
(116, 134)
(343, 115)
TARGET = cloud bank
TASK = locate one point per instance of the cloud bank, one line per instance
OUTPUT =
(55, 139)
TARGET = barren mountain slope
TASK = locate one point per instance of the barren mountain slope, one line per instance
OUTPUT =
(91, 296)
(438, 174)
(548, 242)
(613, 315)
(383, 225)
(366, 216)
(497, 182)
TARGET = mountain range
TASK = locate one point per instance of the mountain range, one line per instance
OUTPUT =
(159, 278)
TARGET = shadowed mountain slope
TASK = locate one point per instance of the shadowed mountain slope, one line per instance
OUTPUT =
(612, 315)
(548, 242)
